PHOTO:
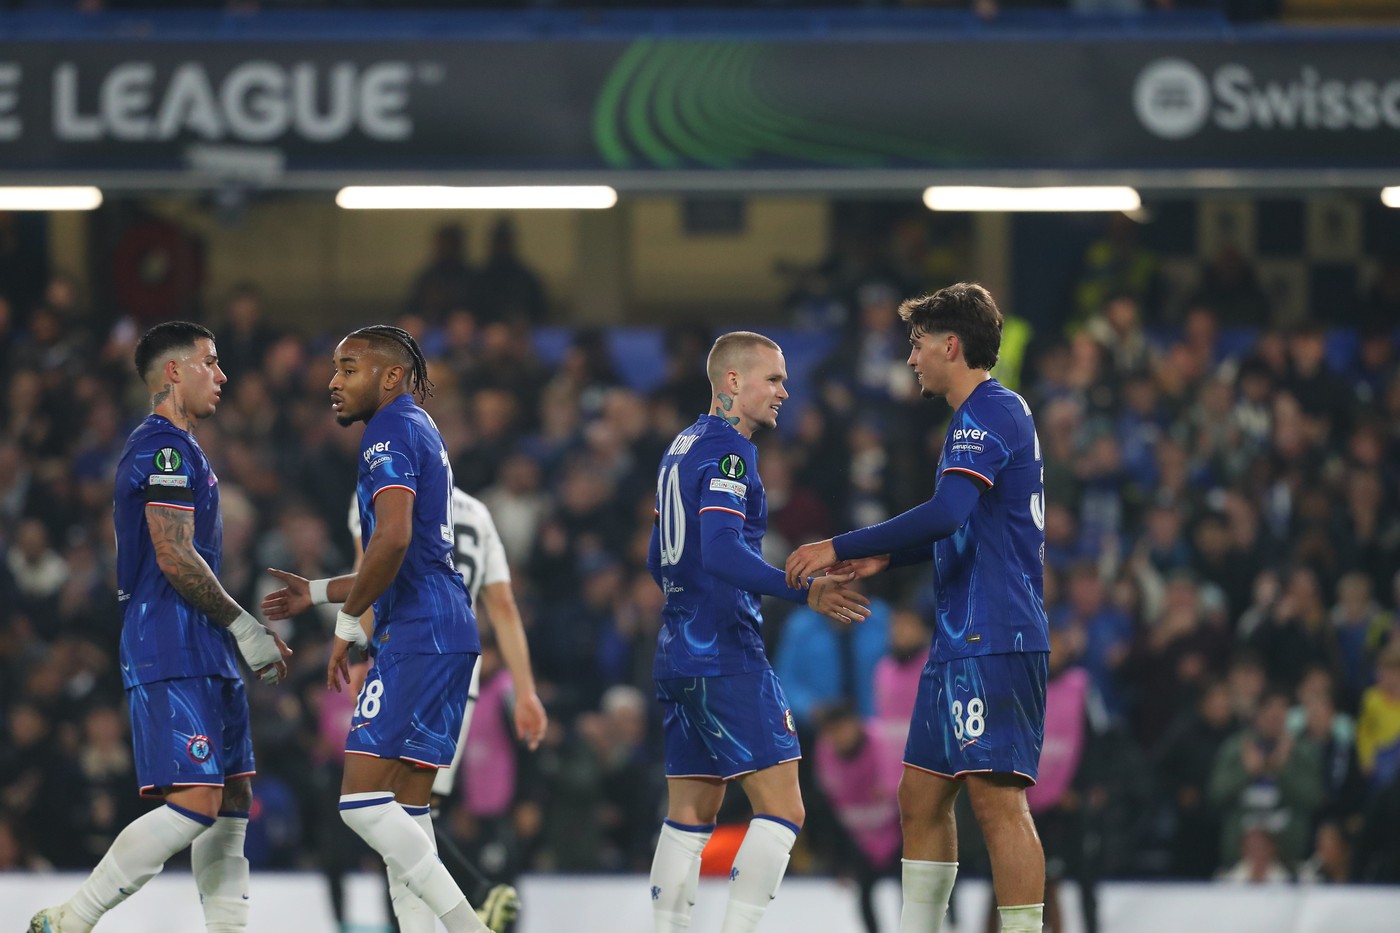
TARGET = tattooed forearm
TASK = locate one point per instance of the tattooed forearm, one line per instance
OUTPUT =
(172, 532)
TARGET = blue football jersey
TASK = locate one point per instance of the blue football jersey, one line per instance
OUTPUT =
(989, 572)
(163, 635)
(426, 609)
(708, 627)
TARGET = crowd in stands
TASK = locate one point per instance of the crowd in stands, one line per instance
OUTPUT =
(1221, 578)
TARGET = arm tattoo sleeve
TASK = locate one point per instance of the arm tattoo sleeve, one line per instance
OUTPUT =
(172, 532)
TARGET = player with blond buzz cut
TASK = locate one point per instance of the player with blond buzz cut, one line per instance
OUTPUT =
(189, 712)
(726, 718)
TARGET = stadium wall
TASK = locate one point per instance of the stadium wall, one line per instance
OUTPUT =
(298, 903)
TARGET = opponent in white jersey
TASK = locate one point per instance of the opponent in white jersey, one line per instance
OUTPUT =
(481, 560)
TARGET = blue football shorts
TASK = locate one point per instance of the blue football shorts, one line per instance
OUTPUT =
(978, 715)
(411, 707)
(189, 732)
(727, 726)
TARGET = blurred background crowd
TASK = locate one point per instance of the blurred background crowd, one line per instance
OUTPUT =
(1220, 565)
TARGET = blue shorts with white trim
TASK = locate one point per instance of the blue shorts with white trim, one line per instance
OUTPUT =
(980, 714)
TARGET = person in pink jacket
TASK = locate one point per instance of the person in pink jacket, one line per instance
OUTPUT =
(857, 767)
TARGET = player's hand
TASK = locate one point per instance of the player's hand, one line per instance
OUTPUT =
(358, 672)
(338, 668)
(277, 672)
(808, 561)
(292, 599)
(530, 720)
(862, 567)
(833, 597)
(261, 648)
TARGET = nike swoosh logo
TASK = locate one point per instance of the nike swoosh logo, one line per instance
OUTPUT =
(359, 726)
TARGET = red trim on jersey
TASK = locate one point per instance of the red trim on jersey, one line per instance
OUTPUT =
(378, 491)
(180, 508)
(720, 508)
(969, 473)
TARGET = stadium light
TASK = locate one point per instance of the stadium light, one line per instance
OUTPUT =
(50, 199)
(409, 197)
(1390, 197)
(1032, 199)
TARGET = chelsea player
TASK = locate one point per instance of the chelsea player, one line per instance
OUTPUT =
(980, 714)
(481, 560)
(425, 641)
(725, 714)
(189, 713)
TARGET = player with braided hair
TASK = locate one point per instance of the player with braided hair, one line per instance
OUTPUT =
(418, 380)
(425, 642)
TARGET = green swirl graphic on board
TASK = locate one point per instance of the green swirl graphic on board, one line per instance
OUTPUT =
(685, 104)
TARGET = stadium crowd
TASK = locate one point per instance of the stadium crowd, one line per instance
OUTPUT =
(1221, 563)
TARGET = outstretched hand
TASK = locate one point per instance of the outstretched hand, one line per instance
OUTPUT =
(834, 598)
(808, 561)
(292, 599)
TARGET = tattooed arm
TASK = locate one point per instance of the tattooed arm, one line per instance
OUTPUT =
(172, 533)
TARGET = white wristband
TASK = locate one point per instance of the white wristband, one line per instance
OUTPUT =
(245, 626)
(348, 627)
(318, 591)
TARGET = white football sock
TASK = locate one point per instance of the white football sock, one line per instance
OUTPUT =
(927, 886)
(1025, 918)
(758, 870)
(381, 822)
(675, 875)
(221, 873)
(413, 915)
(137, 855)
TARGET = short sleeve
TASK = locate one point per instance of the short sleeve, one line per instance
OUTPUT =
(725, 481)
(167, 471)
(496, 569)
(977, 445)
(391, 464)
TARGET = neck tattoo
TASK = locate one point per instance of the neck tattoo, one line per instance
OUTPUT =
(161, 397)
(727, 403)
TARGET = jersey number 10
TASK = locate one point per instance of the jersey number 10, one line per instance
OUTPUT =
(671, 511)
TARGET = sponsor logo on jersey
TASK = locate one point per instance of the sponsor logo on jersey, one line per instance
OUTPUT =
(198, 748)
(161, 479)
(372, 449)
(729, 486)
(733, 466)
(168, 460)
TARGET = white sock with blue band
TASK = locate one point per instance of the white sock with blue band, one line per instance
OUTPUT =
(221, 873)
(137, 855)
(675, 874)
(758, 870)
(413, 915)
(410, 856)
